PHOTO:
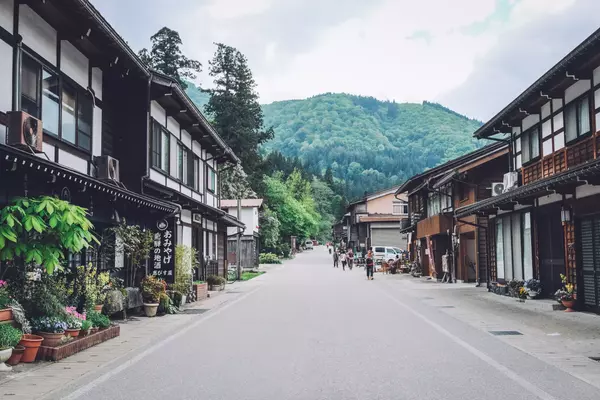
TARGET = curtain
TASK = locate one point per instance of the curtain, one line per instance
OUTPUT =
(508, 265)
(516, 246)
(499, 249)
(527, 251)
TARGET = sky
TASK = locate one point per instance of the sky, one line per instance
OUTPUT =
(473, 56)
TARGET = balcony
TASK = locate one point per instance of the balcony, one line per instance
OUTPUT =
(435, 225)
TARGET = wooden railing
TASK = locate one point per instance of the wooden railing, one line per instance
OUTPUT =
(559, 161)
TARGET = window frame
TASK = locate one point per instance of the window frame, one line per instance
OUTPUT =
(403, 206)
(211, 185)
(63, 81)
(507, 241)
(528, 132)
(554, 133)
(162, 132)
(591, 113)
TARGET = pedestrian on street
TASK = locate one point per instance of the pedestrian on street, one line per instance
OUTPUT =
(350, 257)
(343, 260)
(335, 259)
(370, 262)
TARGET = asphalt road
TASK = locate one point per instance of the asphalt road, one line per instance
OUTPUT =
(309, 331)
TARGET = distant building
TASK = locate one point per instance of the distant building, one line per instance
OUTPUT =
(250, 239)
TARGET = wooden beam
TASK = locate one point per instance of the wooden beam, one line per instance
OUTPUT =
(510, 206)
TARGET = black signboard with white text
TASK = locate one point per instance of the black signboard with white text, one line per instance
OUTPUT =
(162, 260)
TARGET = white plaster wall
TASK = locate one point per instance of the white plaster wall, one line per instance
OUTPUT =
(586, 190)
(74, 64)
(5, 76)
(173, 127)
(157, 177)
(49, 150)
(553, 198)
(557, 104)
(196, 196)
(172, 184)
(186, 139)
(596, 76)
(186, 236)
(186, 191)
(97, 132)
(546, 109)
(577, 89)
(210, 199)
(97, 82)
(37, 34)
(6, 14)
(197, 149)
(158, 113)
(186, 216)
(530, 121)
(72, 161)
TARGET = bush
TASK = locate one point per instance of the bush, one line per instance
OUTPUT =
(98, 320)
(49, 324)
(286, 250)
(9, 336)
(86, 325)
(268, 258)
(215, 280)
(152, 289)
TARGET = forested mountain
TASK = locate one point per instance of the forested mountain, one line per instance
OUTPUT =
(369, 144)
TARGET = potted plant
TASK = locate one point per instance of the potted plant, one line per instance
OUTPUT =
(98, 320)
(5, 309)
(32, 344)
(86, 325)
(52, 329)
(566, 294)
(17, 355)
(522, 294)
(152, 288)
(534, 288)
(514, 287)
(73, 326)
(216, 282)
(9, 338)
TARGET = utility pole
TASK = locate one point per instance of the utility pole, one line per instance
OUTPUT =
(239, 239)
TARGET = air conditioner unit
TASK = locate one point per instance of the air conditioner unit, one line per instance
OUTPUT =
(108, 168)
(511, 180)
(497, 188)
(25, 131)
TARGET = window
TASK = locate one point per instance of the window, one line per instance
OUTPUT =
(160, 147)
(45, 96)
(196, 180)
(577, 118)
(180, 163)
(530, 144)
(463, 191)
(190, 173)
(514, 258)
(400, 208)
(212, 180)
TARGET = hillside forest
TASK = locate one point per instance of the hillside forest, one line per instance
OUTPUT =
(307, 158)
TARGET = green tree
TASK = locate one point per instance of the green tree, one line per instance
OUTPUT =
(166, 57)
(328, 178)
(269, 229)
(236, 113)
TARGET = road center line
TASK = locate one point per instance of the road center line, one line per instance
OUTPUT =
(103, 378)
(525, 384)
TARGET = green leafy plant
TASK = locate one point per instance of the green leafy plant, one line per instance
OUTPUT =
(166, 304)
(152, 289)
(134, 242)
(4, 295)
(268, 258)
(42, 230)
(9, 336)
(98, 320)
(86, 325)
(184, 261)
(247, 275)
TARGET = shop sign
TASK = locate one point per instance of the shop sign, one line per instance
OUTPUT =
(163, 254)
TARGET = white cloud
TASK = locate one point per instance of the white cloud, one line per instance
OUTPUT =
(232, 9)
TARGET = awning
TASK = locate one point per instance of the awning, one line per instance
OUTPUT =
(410, 228)
(34, 163)
(561, 182)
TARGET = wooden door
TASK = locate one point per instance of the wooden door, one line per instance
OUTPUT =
(589, 282)
(551, 250)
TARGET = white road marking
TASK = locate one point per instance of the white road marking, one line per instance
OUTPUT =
(530, 387)
(103, 378)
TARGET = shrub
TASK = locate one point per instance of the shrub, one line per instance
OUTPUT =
(215, 280)
(152, 289)
(184, 262)
(4, 296)
(268, 258)
(98, 320)
(86, 325)
(9, 336)
(73, 322)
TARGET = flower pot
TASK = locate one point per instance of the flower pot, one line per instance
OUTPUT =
(73, 332)
(532, 294)
(51, 339)
(4, 356)
(16, 356)
(150, 309)
(84, 333)
(98, 307)
(569, 304)
(32, 344)
(93, 330)
(6, 314)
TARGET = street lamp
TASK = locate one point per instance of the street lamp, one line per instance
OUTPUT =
(565, 214)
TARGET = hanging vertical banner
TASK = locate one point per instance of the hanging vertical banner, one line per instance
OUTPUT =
(163, 254)
(432, 271)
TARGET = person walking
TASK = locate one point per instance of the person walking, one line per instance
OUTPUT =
(343, 259)
(370, 263)
(350, 257)
(335, 259)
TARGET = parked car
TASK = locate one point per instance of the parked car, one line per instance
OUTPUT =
(387, 253)
(308, 245)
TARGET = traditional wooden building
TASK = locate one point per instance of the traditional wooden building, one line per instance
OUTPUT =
(548, 223)
(375, 220)
(91, 124)
(249, 238)
(432, 198)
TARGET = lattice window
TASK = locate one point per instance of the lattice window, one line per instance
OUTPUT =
(492, 250)
(548, 166)
(560, 162)
(580, 153)
(532, 173)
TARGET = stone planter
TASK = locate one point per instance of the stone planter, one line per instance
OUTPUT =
(51, 339)
(32, 344)
(16, 356)
(216, 288)
(4, 356)
(6, 314)
(201, 290)
(150, 309)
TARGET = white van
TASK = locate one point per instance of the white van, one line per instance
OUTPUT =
(386, 253)
(308, 245)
